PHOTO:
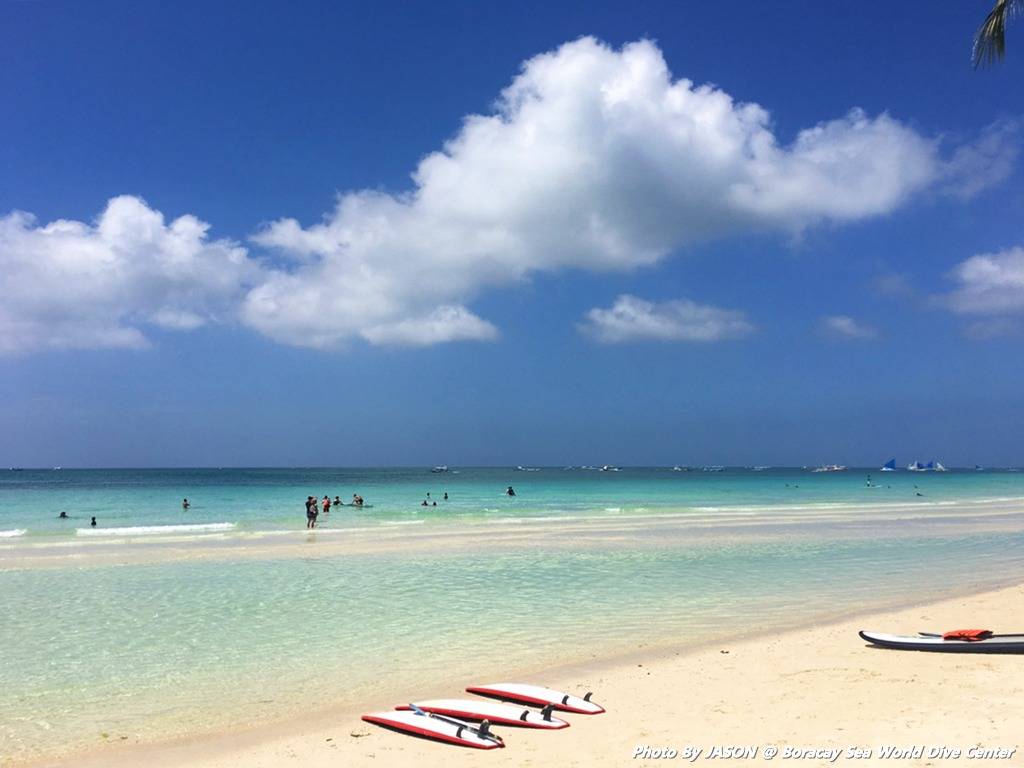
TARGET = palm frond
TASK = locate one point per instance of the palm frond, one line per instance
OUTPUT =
(990, 40)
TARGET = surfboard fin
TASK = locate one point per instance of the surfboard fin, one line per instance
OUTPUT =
(589, 694)
(545, 713)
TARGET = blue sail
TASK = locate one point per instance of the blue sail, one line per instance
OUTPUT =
(890, 464)
(930, 465)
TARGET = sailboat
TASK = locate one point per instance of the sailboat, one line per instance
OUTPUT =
(890, 466)
(916, 466)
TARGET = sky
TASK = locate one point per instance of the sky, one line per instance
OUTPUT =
(354, 234)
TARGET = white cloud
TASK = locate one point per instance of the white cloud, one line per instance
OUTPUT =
(633, 319)
(443, 324)
(594, 159)
(74, 285)
(988, 284)
(845, 327)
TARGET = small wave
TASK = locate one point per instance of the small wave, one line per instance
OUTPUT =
(12, 533)
(151, 530)
(403, 522)
(613, 509)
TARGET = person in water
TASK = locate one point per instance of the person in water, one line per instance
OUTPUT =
(327, 504)
(337, 501)
(63, 515)
(510, 491)
(357, 500)
(185, 504)
(446, 495)
(310, 512)
(93, 523)
(424, 503)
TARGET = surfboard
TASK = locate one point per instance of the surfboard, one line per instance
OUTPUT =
(429, 726)
(496, 712)
(927, 641)
(540, 696)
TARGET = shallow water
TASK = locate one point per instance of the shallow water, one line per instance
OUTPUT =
(150, 634)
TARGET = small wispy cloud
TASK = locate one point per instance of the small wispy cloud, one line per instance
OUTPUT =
(983, 330)
(894, 285)
(845, 327)
(988, 284)
(985, 162)
(634, 319)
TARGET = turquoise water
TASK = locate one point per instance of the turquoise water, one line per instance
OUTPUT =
(149, 635)
(273, 499)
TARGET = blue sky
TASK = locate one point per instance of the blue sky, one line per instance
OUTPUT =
(619, 267)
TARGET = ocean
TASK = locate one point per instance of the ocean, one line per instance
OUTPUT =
(161, 621)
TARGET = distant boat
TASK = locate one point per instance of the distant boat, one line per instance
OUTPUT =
(931, 466)
(760, 469)
(440, 468)
(714, 468)
(890, 466)
(978, 468)
(527, 469)
(680, 469)
(610, 468)
(830, 468)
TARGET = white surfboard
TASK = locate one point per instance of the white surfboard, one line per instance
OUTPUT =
(448, 730)
(496, 712)
(928, 641)
(538, 695)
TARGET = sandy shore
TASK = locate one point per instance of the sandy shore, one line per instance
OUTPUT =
(818, 688)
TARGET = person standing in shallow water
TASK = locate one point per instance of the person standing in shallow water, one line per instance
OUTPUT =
(310, 512)
(93, 523)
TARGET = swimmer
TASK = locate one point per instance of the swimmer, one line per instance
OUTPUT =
(510, 491)
(93, 523)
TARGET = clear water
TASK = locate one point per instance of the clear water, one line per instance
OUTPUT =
(273, 499)
(148, 635)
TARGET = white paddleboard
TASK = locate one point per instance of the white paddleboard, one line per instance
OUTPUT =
(927, 641)
(538, 695)
(429, 726)
(496, 712)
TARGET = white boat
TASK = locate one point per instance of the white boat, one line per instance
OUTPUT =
(830, 468)
(440, 468)
(610, 468)
(680, 469)
(527, 469)
(715, 468)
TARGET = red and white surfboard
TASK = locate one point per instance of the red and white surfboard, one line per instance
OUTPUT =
(448, 730)
(496, 712)
(540, 696)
